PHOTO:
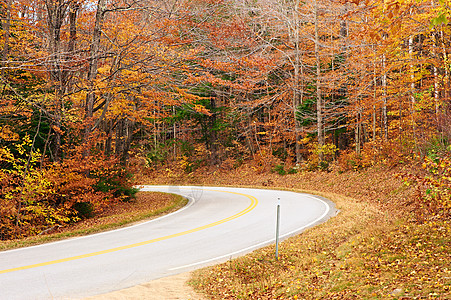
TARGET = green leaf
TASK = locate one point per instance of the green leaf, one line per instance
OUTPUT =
(441, 19)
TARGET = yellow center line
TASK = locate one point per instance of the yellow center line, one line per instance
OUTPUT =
(253, 204)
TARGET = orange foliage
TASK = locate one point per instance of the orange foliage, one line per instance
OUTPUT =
(59, 193)
(433, 190)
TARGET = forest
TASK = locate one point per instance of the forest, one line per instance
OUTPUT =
(94, 91)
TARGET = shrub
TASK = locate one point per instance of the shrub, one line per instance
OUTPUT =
(115, 180)
(293, 170)
(84, 209)
(328, 151)
(433, 193)
(33, 198)
(279, 169)
(350, 160)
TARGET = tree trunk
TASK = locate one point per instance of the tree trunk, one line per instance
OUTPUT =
(412, 94)
(446, 69)
(119, 142)
(213, 136)
(358, 132)
(93, 63)
(73, 8)
(297, 89)
(319, 102)
(384, 91)
(109, 137)
(374, 97)
(436, 82)
(374, 125)
(128, 137)
(6, 23)
(56, 13)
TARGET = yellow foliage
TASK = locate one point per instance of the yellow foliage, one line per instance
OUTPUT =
(7, 134)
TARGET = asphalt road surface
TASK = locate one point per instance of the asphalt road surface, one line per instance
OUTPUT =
(217, 224)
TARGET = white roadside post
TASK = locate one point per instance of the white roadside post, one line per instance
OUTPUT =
(277, 228)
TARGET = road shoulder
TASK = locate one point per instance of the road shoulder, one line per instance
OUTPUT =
(169, 288)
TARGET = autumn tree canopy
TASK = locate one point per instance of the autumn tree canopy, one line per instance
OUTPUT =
(92, 86)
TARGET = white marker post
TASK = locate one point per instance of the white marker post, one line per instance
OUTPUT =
(277, 228)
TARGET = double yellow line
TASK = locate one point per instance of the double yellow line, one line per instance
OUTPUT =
(253, 204)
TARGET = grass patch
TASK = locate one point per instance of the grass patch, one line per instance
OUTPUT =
(148, 205)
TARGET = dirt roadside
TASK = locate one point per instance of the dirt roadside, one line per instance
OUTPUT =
(168, 288)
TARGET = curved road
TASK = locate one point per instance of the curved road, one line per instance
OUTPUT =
(216, 225)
